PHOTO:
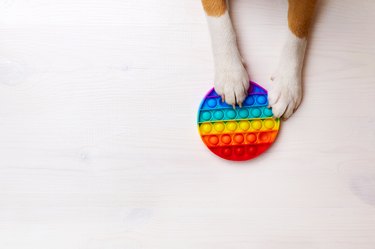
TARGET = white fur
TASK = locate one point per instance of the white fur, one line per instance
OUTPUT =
(231, 78)
(286, 93)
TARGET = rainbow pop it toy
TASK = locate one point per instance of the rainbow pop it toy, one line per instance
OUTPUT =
(238, 134)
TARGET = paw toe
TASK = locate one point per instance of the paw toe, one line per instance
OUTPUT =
(230, 97)
(273, 96)
(285, 96)
(289, 111)
(278, 109)
(233, 85)
(241, 94)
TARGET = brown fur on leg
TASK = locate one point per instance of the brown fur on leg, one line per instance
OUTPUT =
(300, 15)
(214, 7)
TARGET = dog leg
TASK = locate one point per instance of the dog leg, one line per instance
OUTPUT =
(286, 93)
(231, 78)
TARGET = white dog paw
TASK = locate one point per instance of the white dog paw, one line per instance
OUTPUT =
(232, 84)
(285, 95)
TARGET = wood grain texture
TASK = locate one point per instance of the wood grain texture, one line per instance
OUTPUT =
(99, 148)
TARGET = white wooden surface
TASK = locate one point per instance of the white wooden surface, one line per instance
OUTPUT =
(98, 141)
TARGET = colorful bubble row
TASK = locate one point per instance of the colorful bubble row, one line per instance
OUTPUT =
(251, 100)
(233, 114)
(242, 152)
(239, 126)
(239, 138)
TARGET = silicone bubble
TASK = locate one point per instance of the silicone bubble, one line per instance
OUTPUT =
(238, 134)
(212, 103)
(206, 115)
(218, 114)
(214, 140)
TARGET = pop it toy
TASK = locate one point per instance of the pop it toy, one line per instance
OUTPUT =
(238, 134)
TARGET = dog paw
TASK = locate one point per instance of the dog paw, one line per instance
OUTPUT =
(285, 95)
(232, 84)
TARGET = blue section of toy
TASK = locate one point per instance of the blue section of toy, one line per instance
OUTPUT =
(255, 106)
(220, 114)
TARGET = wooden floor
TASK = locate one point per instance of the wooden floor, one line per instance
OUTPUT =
(98, 141)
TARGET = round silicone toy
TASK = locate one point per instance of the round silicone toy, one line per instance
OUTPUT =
(238, 134)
